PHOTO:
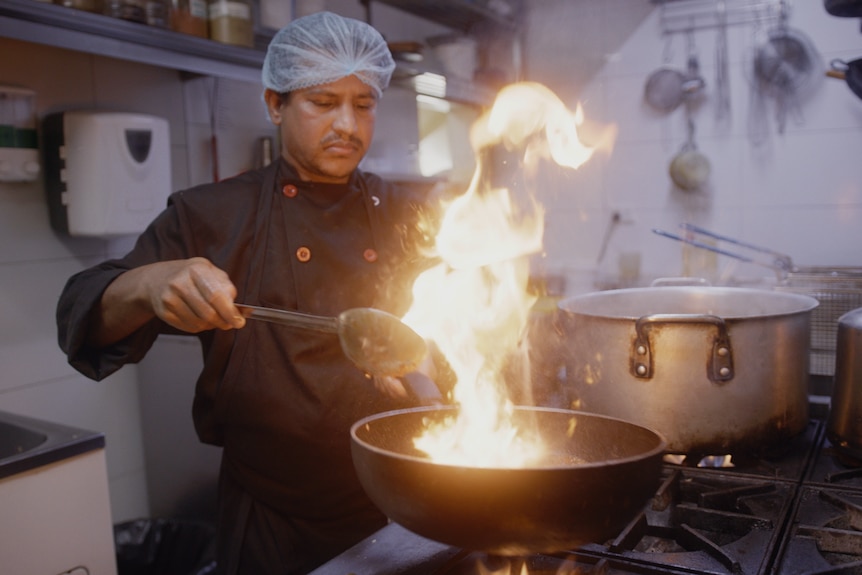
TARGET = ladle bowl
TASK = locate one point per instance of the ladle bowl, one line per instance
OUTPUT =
(377, 342)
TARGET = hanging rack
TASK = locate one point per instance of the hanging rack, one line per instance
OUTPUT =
(687, 15)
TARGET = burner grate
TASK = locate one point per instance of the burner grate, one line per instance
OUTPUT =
(826, 536)
(708, 522)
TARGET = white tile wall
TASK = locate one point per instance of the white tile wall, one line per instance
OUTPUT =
(796, 193)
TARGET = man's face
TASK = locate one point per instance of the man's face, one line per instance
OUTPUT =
(325, 130)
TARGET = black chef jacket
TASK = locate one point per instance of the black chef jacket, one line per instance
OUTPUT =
(279, 400)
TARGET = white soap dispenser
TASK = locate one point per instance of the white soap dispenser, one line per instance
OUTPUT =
(19, 146)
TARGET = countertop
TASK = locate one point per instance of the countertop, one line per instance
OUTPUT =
(27, 443)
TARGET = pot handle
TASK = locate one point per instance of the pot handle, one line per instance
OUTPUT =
(720, 367)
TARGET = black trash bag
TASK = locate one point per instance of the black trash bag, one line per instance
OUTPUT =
(164, 547)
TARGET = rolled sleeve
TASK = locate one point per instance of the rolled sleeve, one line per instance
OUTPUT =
(80, 299)
(75, 313)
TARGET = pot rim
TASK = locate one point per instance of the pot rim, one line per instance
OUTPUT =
(579, 304)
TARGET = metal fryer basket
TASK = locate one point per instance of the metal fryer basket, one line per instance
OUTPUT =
(839, 290)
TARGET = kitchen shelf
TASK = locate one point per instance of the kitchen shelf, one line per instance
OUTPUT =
(61, 27)
(72, 29)
(463, 15)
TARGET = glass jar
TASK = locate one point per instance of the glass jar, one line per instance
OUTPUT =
(19, 139)
(134, 10)
(190, 17)
(230, 22)
(88, 5)
(159, 13)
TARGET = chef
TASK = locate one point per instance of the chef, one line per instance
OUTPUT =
(310, 232)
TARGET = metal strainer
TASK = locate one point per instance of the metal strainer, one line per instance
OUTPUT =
(838, 289)
(785, 66)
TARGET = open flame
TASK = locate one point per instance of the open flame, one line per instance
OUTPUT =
(513, 566)
(710, 461)
(475, 304)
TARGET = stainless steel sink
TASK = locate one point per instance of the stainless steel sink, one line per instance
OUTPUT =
(56, 509)
(15, 439)
(27, 443)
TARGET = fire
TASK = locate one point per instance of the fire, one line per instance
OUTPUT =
(475, 305)
(710, 461)
(517, 566)
(506, 570)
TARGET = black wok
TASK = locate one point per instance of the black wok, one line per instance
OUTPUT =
(601, 471)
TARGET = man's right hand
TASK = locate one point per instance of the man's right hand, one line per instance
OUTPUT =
(192, 295)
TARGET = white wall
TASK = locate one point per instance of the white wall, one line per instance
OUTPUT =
(798, 193)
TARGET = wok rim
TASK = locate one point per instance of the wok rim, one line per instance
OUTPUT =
(658, 450)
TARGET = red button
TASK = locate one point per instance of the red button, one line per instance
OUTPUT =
(303, 254)
(370, 255)
(289, 191)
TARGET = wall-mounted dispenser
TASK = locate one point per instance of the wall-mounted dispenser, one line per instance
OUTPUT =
(19, 146)
(106, 173)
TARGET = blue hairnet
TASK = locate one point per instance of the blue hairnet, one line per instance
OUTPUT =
(323, 47)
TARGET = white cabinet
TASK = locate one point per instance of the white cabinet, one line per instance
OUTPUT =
(55, 511)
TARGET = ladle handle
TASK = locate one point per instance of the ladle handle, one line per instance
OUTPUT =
(290, 318)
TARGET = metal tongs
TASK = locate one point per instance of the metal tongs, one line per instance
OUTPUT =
(777, 261)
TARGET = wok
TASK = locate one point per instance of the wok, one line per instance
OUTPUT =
(600, 473)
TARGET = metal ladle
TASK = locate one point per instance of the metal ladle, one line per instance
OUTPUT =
(690, 169)
(377, 342)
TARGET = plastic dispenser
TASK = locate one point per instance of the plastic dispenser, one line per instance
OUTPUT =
(106, 173)
(19, 147)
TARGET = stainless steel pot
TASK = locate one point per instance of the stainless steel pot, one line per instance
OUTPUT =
(714, 370)
(844, 425)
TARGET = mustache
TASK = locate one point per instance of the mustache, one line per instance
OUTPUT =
(336, 139)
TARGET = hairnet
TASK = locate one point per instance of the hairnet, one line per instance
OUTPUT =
(323, 47)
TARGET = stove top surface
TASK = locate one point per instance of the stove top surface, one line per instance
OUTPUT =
(796, 509)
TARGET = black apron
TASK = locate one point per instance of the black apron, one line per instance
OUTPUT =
(289, 497)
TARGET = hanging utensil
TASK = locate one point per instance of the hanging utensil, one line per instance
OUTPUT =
(758, 118)
(690, 169)
(668, 87)
(376, 341)
(616, 218)
(785, 67)
(664, 89)
(722, 73)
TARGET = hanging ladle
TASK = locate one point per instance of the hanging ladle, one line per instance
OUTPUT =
(377, 342)
(690, 169)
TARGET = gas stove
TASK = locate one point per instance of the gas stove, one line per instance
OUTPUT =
(794, 509)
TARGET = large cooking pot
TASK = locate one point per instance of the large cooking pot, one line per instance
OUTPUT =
(844, 424)
(715, 370)
(600, 474)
